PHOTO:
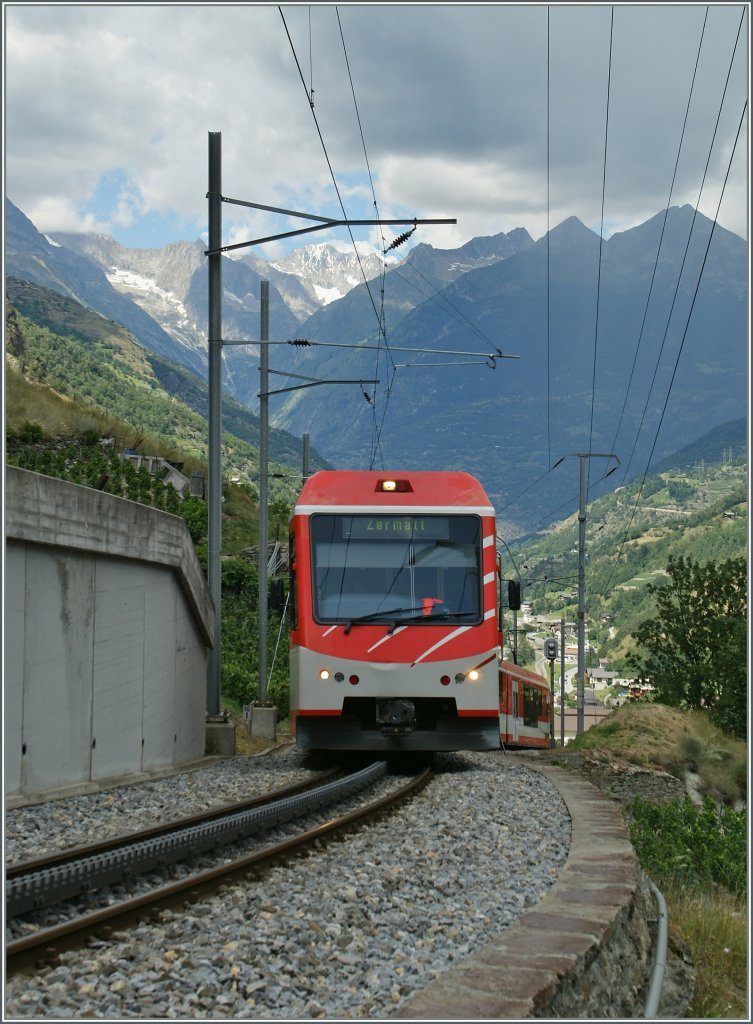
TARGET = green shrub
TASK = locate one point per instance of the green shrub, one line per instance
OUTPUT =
(194, 511)
(30, 432)
(278, 690)
(691, 846)
(238, 683)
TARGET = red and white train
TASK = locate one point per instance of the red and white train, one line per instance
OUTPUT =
(395, 619)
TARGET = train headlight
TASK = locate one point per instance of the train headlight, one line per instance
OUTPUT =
(445, 680)
(459, 677)
(324, 673)
(473, 675)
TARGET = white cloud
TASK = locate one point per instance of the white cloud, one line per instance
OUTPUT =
(59, 214)
(452, 101)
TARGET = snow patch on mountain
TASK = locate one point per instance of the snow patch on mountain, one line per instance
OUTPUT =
(327, 295)
(131, 283)
(332, 269)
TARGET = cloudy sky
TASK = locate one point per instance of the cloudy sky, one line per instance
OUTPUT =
(497, 115)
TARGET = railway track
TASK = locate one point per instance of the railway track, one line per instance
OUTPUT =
(48, 881)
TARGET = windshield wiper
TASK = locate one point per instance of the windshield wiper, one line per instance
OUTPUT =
(438, 615)
(371, 616)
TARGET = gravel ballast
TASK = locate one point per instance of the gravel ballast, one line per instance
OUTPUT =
(349, 931)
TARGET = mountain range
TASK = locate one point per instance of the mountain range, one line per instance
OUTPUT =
(633, 345)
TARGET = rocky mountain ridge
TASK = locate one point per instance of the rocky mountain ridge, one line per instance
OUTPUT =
(604, 333)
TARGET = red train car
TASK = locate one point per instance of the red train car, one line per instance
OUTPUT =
(395, 636)
(525, 707)
(395, 623)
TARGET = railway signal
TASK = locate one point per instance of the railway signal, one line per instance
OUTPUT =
(550, 653)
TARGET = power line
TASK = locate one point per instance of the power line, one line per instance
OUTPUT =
(627, 466)
(685, 254)
(548, 288)
(682, 342)
(379, 313)
(439, 296)
(326, 155)
(377, 427)
(661, 238)
(601, 241)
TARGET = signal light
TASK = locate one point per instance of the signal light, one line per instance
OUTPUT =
(354, 680)
(391, 486)
(445, 680)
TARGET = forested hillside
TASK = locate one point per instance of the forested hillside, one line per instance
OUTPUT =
(89, 360)
(699, 513)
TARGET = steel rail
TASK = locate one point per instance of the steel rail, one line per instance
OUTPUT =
(35, 890)
(49, 943)
(50, 860)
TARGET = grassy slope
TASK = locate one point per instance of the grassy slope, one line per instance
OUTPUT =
(713, 922)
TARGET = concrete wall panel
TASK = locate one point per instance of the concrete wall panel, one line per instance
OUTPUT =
(13, 663)
(107, 622)
(57, 667)
(118, 668)
(159, 671)
(191, 690)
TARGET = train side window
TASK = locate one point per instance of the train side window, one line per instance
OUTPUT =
(293, 601)
(530, 706)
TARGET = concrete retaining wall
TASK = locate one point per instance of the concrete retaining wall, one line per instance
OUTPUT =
(107, 623)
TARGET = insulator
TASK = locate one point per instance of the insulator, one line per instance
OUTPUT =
(300, 342)
(400, 239)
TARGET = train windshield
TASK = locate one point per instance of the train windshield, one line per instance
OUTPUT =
(388, 568)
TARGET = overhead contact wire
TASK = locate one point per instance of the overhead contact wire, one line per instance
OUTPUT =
(685, 254)
(377, 426)
(684, 336)
(661, 238)
(326, 154)
(548, 287)
(310, 98)
(601, 243)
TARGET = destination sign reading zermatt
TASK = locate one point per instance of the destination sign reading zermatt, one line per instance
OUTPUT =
(397, 527)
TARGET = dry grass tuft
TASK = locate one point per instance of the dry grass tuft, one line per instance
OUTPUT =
(715, 926)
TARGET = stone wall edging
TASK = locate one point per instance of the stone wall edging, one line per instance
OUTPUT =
(584, 950)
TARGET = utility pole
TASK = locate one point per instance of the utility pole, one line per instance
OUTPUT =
(562, 681)
(215, 340)
(306, 456)
(214, 478)
(583, 457)
(263, 488)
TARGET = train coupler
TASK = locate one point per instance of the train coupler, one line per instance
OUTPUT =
(395, 717)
